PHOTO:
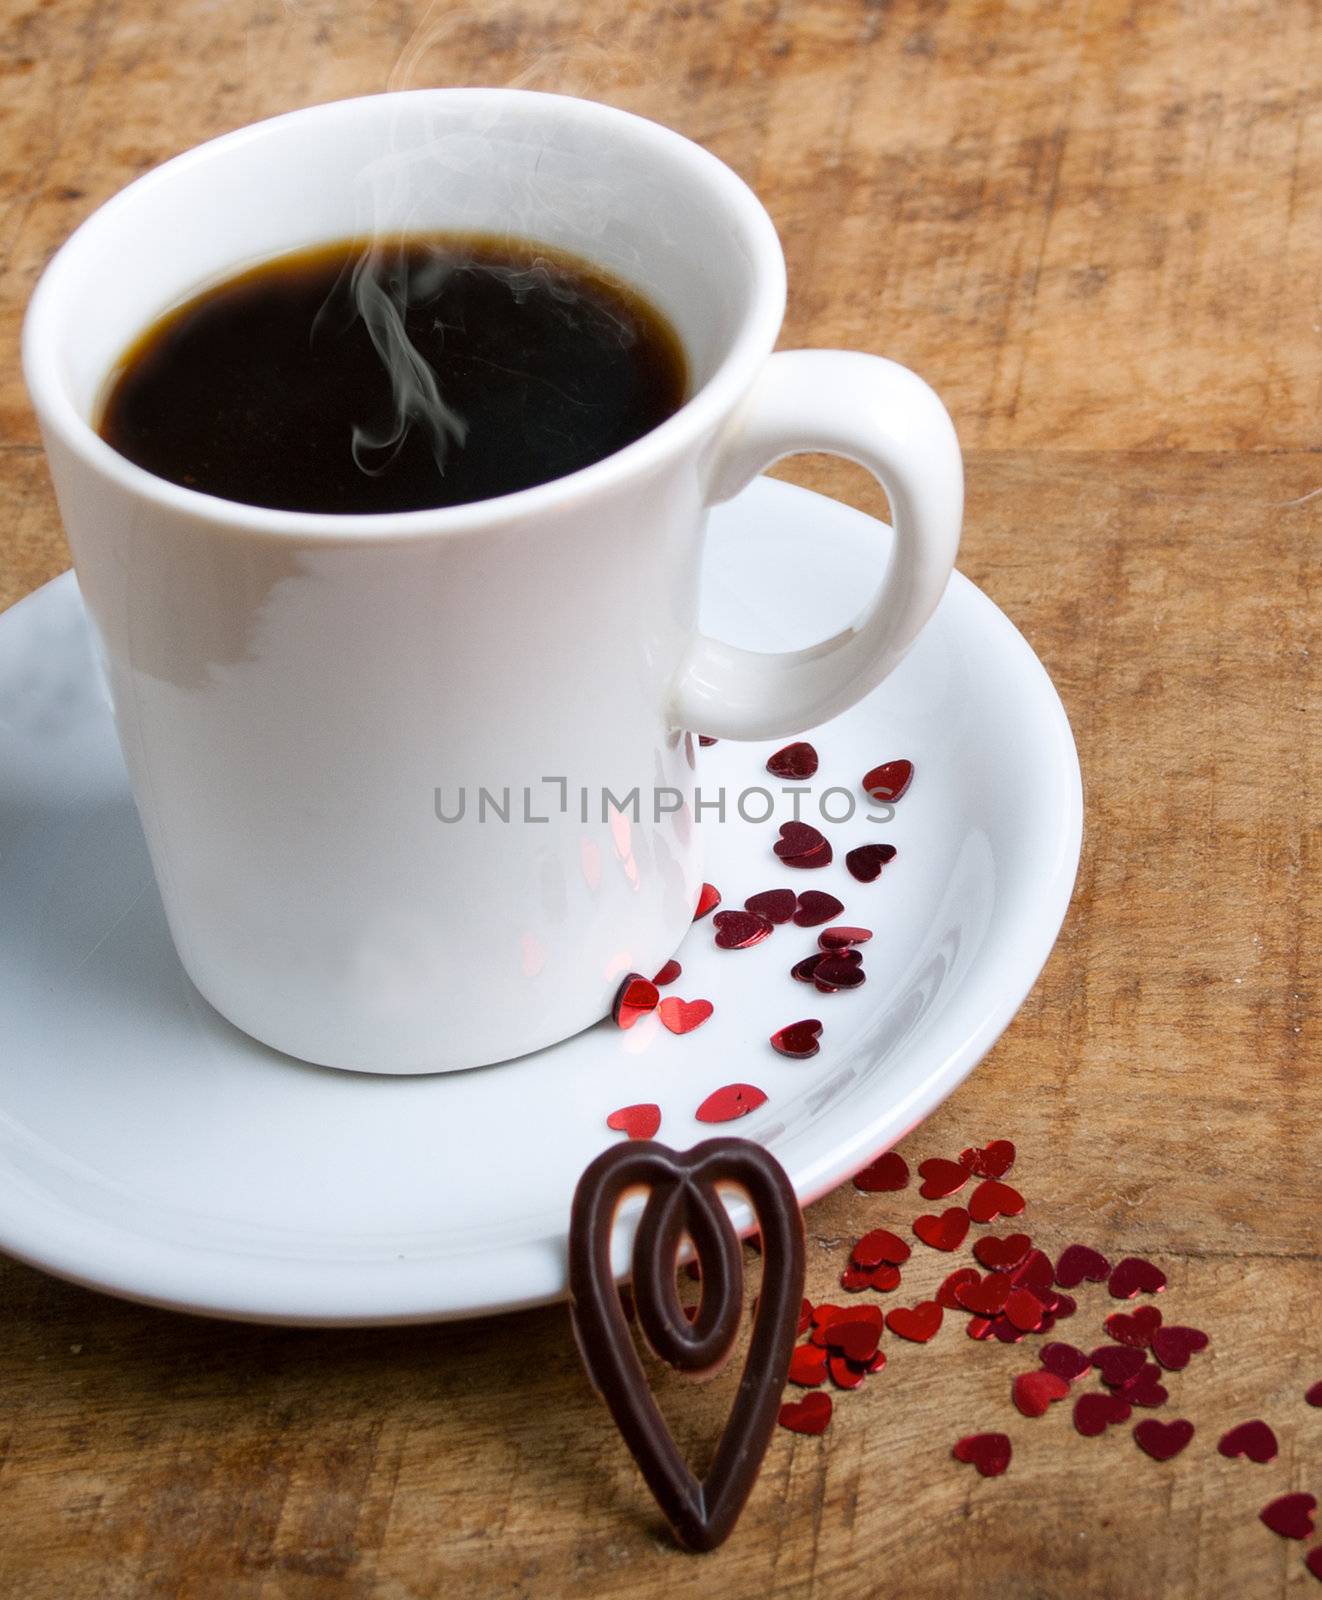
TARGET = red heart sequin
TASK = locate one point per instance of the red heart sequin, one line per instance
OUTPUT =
(705, 739)
(667, 974)
(708, 899)
(1034, 1392)
(1002, 1254)
(887, 1174)
(806, 970)
(802, 845)
(845, 1374)
(992, 1162)
(1024, 1310)
(1291, 1515)
(1065, 1361)
(947, 1294)
(917, 1323)
(816, 907)
(885, 1278)
(1173, 1346)
(835, 972)
(941, 1178)
(812, 1414)
(1252, 1439)
(1005, 1331)
(1313, 1561)
(855, 1279)
(794, 761)
(889, 781)
(1079, 1262)
(881, 1245)
(856, 1339)
(807, 1366)
(1162, 1440)
(945, 1232)
(798, 1039)
(992, 1199)
(984, 1296)
(805, 1317)
(1313, 1396)
(1094, 1413)
(731, 1101)
(776, 905)
(1145, 1389)
(639, 1122)
(1117, 1363)
(1136, 1329)
(633, 999)
(1065, 1306)
(1134, 1276)
(1034, 1272)
(988, 1452)
(866, 861)
(740, 930)
(682, 1016)
(840, 938)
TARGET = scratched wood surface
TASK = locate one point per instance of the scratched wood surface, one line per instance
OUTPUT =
(1097, 229)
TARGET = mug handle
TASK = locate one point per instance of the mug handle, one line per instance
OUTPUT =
(885, 417)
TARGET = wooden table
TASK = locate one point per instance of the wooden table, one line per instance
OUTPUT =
(1096, 229)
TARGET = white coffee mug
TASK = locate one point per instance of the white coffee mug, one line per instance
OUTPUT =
(303, 697)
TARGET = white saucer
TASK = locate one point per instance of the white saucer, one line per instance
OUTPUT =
(150, 1149)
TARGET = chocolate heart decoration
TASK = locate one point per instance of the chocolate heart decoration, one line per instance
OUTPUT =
(683, 1199)
(794, 761)
(866, 861)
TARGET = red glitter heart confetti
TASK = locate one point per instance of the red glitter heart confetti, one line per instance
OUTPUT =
(946, 1232)
(1034, 1272)
(1252, 1439)
(1146, 1388)
(992, 1162)
(794, 761)
(1025, 1311)
(667, 974)
(1005, 1331)
(705, 739)
(980, 1328)
(841, 938)
(834, 972)
(881, 1245)
(888, 1174)
(855, 1279)
(915, 1323)
(985, 1297)
(888, 782)
(885, 1278)
(1080, 1263)
(776, 905)
(639, 1122)
(988, 1452)
(633, 999)
(1065, 1361)
(805, 1317)
(844, 1374)
(1162, 1440)
(1313, 1561)
(802, 845)
(682, 1016)
(856, 1338)
(708, 899)
(1065, 1305)
(1173, 1346)
(807, 1366)
(816, 907)
(740, 930)
(1034, 1392)
(1004, 1253)
(1290, 1515)
(798, 1040)
(1313, 1396)
(1117, 1363)
(992, 1199)
(812, 1414)
(731, 1101)
(940, 1178)
(1134, 1276)
(866, 861)
(1134, 1329)
(947, 1294)
(1095, 1413)
(805, 971)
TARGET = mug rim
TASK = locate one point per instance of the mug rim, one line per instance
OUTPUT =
(702, 412)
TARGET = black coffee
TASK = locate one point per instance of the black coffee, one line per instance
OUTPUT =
(406, 373)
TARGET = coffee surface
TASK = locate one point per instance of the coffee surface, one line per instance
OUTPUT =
(394, 375)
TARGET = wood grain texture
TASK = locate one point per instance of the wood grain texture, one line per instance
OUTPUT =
(1096, 228)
